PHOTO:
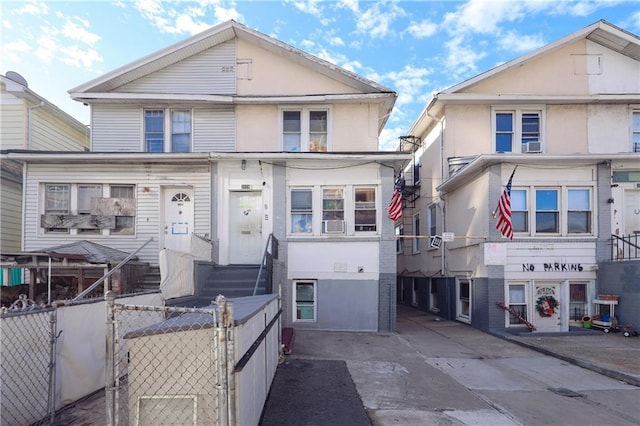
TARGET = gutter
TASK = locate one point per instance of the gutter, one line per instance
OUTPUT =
(29, 123)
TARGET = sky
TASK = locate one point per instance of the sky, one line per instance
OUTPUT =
(416, 48)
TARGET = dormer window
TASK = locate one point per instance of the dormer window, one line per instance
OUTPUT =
(305, 130)
(517, 130)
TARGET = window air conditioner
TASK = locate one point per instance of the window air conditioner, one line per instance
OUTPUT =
(532, 147)
(333, 226)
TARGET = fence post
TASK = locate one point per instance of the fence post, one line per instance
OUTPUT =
(53, 337)
(109, 387)
(231, 361)
(221, 361)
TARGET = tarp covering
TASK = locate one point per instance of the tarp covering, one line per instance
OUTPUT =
(176, 268)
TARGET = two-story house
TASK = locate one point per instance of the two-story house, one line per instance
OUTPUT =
(27, 122)
(235, 136)
(566, 119)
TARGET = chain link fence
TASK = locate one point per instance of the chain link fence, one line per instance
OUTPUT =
(27, 373)
(167, 365)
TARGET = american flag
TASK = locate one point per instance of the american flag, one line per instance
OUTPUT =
(503, 211)
(395, 206)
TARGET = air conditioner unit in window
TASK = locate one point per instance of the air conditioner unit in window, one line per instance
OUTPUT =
(333, 226)
(532, 147)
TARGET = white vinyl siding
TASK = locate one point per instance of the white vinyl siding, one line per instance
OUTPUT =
(120, 129)
(148, 182)
(211, 71)
(50, 133)
(214, 130)
(10, 214)
(116, 128)
(13, 126)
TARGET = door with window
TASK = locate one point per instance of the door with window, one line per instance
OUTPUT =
(245, 227)
(631, 212)
(463, 300)
(547, 307)
(178, 216)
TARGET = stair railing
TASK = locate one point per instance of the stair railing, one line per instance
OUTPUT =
(625, 247)
(112, 271)
(267, 256)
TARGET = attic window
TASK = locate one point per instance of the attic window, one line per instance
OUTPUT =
(587, 64)
(244, 69)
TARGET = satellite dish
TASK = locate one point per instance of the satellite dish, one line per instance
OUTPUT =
(12, 75)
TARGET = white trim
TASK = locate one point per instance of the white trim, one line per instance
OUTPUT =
(294, 300)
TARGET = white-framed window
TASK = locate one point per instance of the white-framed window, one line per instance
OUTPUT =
(305, 129)
(517, 296)
(578, 300)
(65, 204)
(579, 211)
(179, 127)
(415, 288)
(416, 233)
(86, 192)
(399, 239)
(518, 129)
(125, 225)
(305, 296)
(57, 200)
(432, 220)
(463, 296)
(547, 211)
(365, 216)
(635, 131)
(301, 210)
(519, 210)
(333, 210)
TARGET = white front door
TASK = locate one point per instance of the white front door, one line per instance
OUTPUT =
(463, 299)
(177, 218)
(547, 307)
(245, 227)
(631, 212)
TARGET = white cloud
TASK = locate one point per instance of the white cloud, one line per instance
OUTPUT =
(480, 16)
(378, 19)
(188, 20)
(312, 7)
(336, 41)
(47, 46)
(79, 58)
(352, 5)
(389, 138)
(33, 7)
(76, 29)
(14, 50)
(422, 29)
(520, 43)
(223, 14)
(461, 59)
(409, 83)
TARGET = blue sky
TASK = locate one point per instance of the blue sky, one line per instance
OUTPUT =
(416, 48)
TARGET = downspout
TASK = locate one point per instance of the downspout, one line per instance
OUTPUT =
(29, 116)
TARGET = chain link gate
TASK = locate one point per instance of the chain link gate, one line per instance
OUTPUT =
(28, 335)
(169, 365)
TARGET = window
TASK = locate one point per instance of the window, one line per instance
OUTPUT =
(579, 211)
(414, 291)
(333, 210)
(365, 211)
(399, 239)
(635, 133)
(433, 296)
(305, 300)
(432, 221)
(464, 299)
(547, 214)
(154, 130)
(416, 233)
(57, 201)
(517, 302)
(305, 130)
(124, 224)
(577, 301)
(519, 211)
(179, 129)
(85, 194)
(301, 211)
(518, 130)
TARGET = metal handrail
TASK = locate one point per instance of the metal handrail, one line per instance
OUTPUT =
(264, 258)
(108, 274)
(626, 243)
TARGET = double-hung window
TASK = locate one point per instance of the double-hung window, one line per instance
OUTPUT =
(85, 193)
(517, 130)
(577, 301)
(635, 131)
(333, 210)
(365, 209)
(433, 230)
(305, 300)
(179, 128)
(305, 130)
(519, 211)
(518, 303)
(57, 201)
(399, 239)
(124, 224)
(416, 233)
(578, 211)
(547, 213)
(301, 210)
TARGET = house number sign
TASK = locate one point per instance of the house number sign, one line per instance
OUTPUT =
(554, 267)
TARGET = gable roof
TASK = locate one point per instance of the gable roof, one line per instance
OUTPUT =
(601, 32)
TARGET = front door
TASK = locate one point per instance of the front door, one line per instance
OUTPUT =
(177, 218)
(547, 307)
(631, 212)
(245, 227)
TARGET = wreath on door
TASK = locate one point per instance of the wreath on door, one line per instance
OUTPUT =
(546, 305)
